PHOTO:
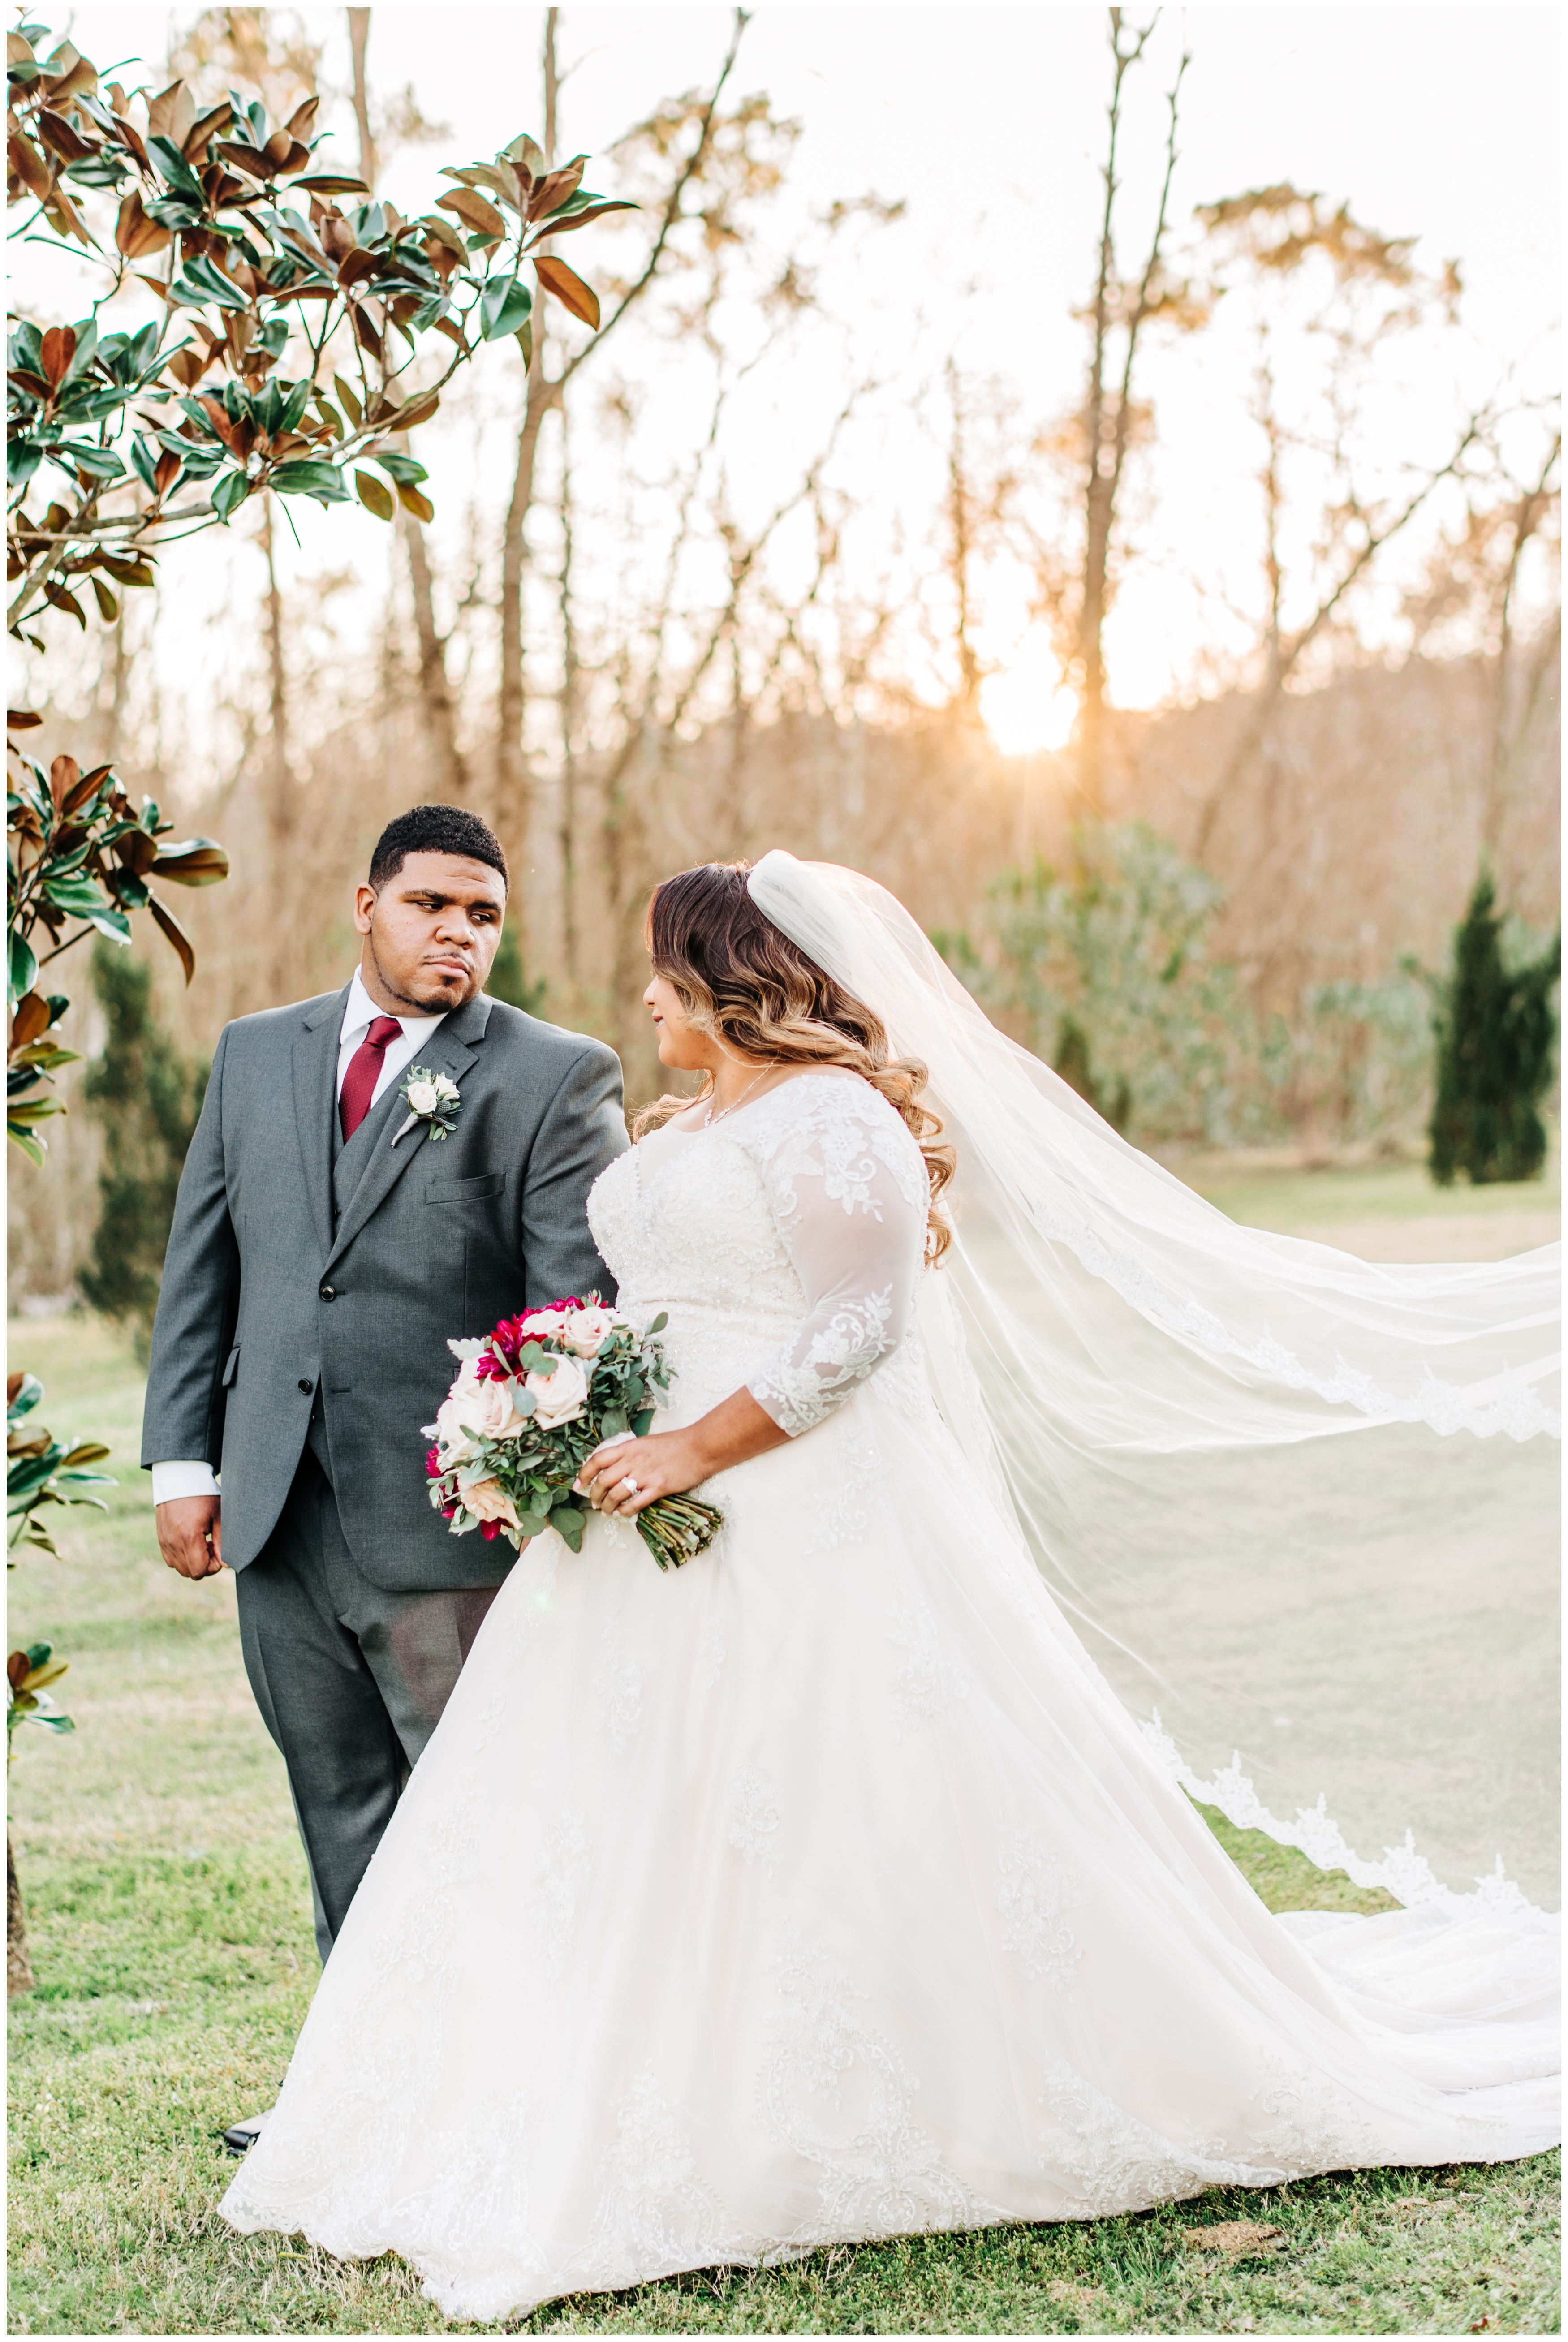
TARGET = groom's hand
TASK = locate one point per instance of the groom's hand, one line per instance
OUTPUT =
(190, 1534)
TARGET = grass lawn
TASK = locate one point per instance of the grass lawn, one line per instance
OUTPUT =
(171, 1944)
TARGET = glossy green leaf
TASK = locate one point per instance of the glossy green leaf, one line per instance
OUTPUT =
(228, 493)
(504, 305)
(311, 477)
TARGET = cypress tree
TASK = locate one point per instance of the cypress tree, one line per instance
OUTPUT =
(1076, 1068)
(146, 1096)
(1496, 1033)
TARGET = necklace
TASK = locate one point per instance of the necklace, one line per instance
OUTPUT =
(711, 1117)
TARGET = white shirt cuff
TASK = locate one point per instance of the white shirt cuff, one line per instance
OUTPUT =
(171, 1481)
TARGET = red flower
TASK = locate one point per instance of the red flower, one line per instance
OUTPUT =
(489, 1531)
(432, 1462)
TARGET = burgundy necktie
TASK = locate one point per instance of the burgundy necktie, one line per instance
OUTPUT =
(363, 1072)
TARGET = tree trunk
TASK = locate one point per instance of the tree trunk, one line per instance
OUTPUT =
(435, 691)
(567, 840)
(359, 42)
(280, 776)
(434, 688)
(959, 500)
(1108, 415)
(512, 808)
(18, 1966)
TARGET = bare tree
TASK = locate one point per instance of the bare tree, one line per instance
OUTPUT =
(1516, 705)
(544, 393)
(434, 688)
(1263, 247)
(1120, 312)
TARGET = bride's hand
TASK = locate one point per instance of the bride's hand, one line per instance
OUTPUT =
(668, 1463)
(665, 1464)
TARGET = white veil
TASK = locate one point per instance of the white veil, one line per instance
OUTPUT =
(1164, 1394)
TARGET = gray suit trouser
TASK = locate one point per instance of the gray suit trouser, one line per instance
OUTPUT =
(351, 1681)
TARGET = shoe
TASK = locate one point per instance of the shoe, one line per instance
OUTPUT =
(241, 2136)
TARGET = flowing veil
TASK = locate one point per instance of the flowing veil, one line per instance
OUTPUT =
(1348, 1642)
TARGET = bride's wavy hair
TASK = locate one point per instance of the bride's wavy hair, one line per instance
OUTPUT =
(741, 978)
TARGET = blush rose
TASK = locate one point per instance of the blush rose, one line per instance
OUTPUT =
(583, 1330)
(560, 1396)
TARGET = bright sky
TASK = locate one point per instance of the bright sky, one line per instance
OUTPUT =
(1436, 122)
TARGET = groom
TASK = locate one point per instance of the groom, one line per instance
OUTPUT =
(327, 1241)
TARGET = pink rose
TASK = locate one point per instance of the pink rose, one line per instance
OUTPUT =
(487, 1501)
(584, 1329)
(560, 1396)
(482, 1406)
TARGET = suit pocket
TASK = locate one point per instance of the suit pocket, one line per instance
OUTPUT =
(465, 1191)
(232, 1367)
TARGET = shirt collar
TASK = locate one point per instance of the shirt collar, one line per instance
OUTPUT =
(361, 1009)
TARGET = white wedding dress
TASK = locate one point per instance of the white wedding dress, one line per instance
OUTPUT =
(824, 1890)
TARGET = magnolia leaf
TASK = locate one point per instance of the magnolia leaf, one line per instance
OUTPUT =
(108, 608)
(170, 927)
(331, 183)
(527, 154)
(348, 400)
(36, 1151)
(204, 281)
(56, 352)
(311, 477)
(171, 114)
(375, 495)
(135, 234)
(419, 409)
(557, 188)
(562, 222)
(195, 862)
(23, 968)
(32, 1019)
(229, 493)
(405, 469)
(568, 289)
(472, 209)
(410, 498)
(504, 305)
(21, 719)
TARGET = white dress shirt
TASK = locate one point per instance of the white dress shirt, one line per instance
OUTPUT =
(173, 1480)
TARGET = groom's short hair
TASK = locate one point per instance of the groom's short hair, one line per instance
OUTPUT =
(436, 829)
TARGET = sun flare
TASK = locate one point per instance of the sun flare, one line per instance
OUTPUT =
(1026, 704)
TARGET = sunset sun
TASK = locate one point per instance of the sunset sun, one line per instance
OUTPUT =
(1027, 705)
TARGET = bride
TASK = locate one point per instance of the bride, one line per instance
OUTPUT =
(824, 1890)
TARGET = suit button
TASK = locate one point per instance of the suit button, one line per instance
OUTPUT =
(307, 1385)
(329, 1293)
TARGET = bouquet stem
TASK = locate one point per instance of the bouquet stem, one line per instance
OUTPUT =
(676, 1530)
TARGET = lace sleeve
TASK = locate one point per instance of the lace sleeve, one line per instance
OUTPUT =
(850, 1194)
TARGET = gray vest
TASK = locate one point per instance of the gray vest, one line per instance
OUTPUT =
(351, 1159)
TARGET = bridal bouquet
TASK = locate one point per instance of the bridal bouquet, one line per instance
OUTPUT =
(531, 1403)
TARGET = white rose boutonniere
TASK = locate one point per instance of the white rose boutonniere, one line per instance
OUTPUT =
(433, 1099)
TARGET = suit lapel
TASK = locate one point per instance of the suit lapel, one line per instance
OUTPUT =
(315, 1050)
(450, 1051)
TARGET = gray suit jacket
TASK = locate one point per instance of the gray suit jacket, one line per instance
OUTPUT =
(274, 1300)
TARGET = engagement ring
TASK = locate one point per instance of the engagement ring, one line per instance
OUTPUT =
(630, 1484)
